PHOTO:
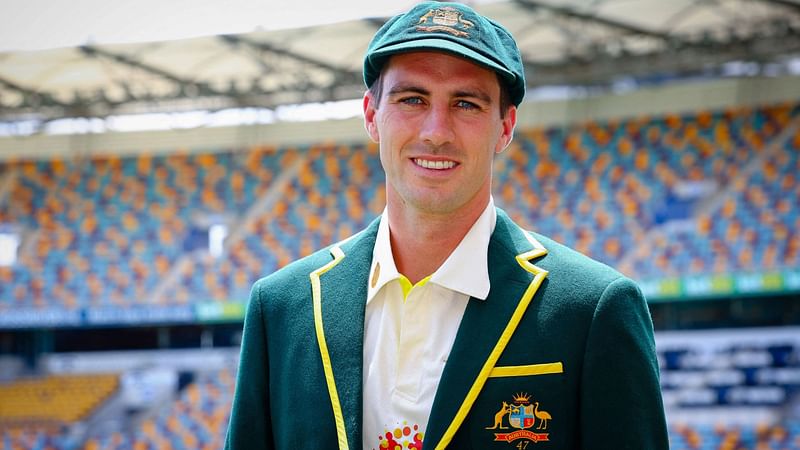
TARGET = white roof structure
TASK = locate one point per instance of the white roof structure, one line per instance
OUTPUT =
(588, 43)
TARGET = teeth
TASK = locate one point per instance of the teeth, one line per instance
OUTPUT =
(436, 165)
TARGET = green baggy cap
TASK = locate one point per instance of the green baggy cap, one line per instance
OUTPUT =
(453, 28)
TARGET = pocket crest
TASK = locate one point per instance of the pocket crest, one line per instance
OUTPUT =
(522, 415)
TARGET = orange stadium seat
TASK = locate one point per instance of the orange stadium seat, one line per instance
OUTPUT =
(55, 399)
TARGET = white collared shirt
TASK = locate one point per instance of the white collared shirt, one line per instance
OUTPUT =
(409, 332)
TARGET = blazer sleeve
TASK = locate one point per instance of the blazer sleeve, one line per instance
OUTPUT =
(621, 404)
(250, 422)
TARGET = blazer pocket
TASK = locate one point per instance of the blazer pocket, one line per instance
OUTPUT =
(523, 404)
(527, 370)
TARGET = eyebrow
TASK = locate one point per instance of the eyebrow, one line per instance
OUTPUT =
(468, 93)
(405, 88)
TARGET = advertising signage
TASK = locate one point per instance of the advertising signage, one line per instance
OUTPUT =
(721, 286)
(668, 289)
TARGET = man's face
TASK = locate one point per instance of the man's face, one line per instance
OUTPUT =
(439, 125)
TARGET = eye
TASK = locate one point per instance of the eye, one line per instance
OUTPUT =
(464, 104)
(411, 101)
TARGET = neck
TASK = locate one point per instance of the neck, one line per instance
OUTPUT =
(421, 242)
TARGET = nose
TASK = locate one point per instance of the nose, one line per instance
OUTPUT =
(437, 126)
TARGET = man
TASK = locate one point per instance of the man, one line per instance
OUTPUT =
(443, 324)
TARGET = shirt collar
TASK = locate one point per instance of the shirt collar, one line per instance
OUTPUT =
(466, 270)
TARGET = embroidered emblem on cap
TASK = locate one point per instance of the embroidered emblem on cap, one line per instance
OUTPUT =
(447, 19)
(522, 414)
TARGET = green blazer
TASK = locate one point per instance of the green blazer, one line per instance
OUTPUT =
(559, 356)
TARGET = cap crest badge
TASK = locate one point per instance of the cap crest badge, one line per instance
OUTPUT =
(447, 19)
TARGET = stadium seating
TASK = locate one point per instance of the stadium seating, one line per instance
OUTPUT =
(198, 419)
(123, 222)
(604, 188)
(598, 187)
(720, 437)
(338, 191)
(755, 227)
(53, 400)
(33, 438)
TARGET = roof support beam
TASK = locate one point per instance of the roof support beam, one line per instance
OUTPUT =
(32, 97)
(567, 11)
(341, 74)
(189, 87)
(690, 60)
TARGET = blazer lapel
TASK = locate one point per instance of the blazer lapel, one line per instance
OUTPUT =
(486, 328)
(339, 291)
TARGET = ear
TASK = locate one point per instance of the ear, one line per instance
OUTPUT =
(509, 122)
(370, 108)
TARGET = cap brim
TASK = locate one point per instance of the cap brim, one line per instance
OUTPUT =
(440, 45)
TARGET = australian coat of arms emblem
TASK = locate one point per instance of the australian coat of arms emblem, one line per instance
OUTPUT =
(521, 415)
(447, 19)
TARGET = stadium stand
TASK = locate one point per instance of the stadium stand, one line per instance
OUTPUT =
(759, 437)
(605, 188)
(603, 195)
(337, 191)
(612, 189)
(36, 413)
(599, 187)
(123, 221)
(55, 399)
(33, 438)
(755, 226)
(197, 419)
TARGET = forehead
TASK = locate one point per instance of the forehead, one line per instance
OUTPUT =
(440, 68)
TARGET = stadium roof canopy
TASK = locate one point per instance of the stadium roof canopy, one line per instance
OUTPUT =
(566, 43)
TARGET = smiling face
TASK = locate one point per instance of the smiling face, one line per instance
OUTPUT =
(439, 125)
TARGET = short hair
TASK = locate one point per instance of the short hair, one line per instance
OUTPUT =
(376, 90)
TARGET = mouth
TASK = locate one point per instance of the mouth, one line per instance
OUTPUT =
(434, 165)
